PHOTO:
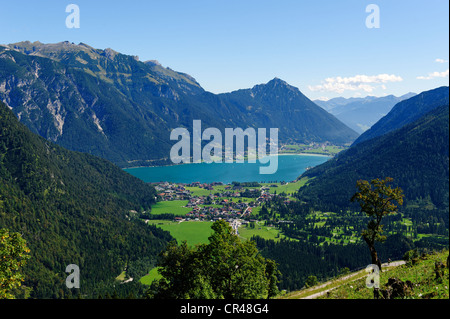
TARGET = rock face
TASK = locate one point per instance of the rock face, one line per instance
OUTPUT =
(112, 105)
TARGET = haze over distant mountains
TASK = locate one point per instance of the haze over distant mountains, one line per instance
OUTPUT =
(361, 113)
(407, 111)
(409, 144)
(114, 106)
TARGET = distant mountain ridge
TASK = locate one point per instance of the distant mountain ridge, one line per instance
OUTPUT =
(416, 155)
(361, 113)
(407, 111)
(114, 106)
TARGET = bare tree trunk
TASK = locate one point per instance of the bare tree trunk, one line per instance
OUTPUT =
(375, 259)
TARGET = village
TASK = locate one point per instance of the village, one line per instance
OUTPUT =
(233, 202)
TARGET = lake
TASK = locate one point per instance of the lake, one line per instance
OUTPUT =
(289, 168)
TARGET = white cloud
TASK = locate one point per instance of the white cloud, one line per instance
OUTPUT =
(441, 61)
(434, 75)
(355, 83)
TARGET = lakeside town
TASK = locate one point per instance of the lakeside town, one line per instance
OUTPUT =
(213, 201)
(240, 203)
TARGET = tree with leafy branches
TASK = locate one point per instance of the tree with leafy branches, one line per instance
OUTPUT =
(13, 255)
(223, 268)
(377, 199)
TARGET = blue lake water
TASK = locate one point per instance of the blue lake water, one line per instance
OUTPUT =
(289, 168)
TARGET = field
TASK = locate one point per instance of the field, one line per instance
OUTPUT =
(152, 275)
(175, 207)
(266, 232)
(288, 188)
(197, 191)
(194, 232)
(197, 232)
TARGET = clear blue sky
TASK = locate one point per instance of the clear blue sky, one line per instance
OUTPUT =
(232, 44)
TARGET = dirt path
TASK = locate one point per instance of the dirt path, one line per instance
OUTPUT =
(356, 275)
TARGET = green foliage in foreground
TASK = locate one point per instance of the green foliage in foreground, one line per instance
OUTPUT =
(224, 268)
(13, 255)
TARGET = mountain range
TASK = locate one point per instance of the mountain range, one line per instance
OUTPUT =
(410, 144)
(361, 113)
(119, 108)
(407, 111)
(76, 208)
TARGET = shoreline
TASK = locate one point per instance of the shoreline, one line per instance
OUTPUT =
(280, 154)
(306, 154)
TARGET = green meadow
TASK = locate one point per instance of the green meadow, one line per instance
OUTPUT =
(175, 207)
(152, 275)
(194, 232)
(287, 188)
(266, 232)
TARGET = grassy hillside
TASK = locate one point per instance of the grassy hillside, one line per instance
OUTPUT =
(425, 282)
(194, 232)
(421, 273)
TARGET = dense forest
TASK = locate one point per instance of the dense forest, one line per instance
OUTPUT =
(72, 208)
(415, 156)
(297, 260)
(324, 246)
(323, 226)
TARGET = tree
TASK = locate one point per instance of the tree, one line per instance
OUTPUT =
(377, 199)
(224, 268)
(13, 256)
(182, 278)
(311, 281)
(272, 274)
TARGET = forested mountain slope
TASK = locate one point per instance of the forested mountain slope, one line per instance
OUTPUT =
(407, 111)
(416, 156)
(119, 108)
(71, 208)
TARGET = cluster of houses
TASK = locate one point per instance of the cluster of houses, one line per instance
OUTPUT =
(228, 210)
(209, 186)
(311, 147)
(215, 206)
(168, 191)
